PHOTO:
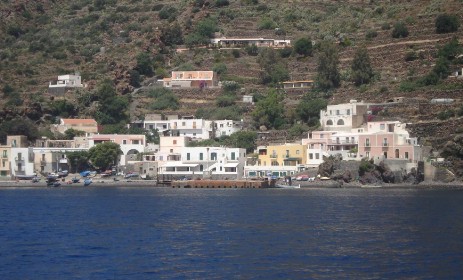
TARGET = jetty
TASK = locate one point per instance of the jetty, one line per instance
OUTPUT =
(221, 184)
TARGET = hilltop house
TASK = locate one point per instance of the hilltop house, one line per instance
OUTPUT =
(243, 42)
(88, 126)
(343, 117)
(64, 83)
(298, 84)
(192, 79)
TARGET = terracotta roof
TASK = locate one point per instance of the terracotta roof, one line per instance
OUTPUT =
(79, 121)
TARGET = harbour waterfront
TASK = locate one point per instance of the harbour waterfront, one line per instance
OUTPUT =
(152, 233)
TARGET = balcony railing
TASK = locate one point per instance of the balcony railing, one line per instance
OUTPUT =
(19, 158)
(43, 162)
(385, 144)
(367, 144)
(273, 156)
(19, 169)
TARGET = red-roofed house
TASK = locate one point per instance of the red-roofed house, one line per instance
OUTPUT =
(85, 125)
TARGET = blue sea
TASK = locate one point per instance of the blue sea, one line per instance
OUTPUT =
(163, 233)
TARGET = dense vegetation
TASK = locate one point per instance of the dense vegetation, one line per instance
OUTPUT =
(365, 51)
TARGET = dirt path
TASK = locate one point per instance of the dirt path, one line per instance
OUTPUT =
(406, 43)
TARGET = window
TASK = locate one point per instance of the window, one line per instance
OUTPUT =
(4, 154)
(317, 156)
(337, 112)
(340, 122)
(194, 133)
(385, 142)
(310, 156)
(348, 112)
(406, 155)
(396, 153)
(187, 156)
(233, 155)
(367, 142)
(297, 152)
(368, 154)
(183, 123)
(171, 150)
(329, 122)
(382, 126)
(174, 142)
(322, 136)
(213, 156)
(200, 156)
(124, 142)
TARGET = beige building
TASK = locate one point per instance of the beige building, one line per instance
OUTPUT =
(192, 79)
(7, 159)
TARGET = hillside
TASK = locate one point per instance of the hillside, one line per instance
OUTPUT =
(109, 39)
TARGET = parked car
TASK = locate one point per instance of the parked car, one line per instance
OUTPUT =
(302, 178)
(131, 175)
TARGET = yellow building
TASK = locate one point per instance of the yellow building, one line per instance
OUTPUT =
(288, 154)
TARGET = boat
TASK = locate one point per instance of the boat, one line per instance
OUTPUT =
(35, 180)
(371, 186)
(87, 182)
(25, 177)
(54, 184)
(283, 186)
(75, 180)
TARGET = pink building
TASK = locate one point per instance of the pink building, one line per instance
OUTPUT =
(389, 140)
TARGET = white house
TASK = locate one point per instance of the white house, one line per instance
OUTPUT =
(207, 162)
(130, 144)
(343, 117)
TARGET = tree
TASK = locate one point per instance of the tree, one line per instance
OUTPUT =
(144, 64)
(134, 78)
(447, 23)
(303, 46)
(78, 161)
(450, 50)
(308, 110)
(112, 108)
(362, 73)
(269, 111)
(104, 155)
(71, 133)
(242, 139)
(328, 75)
(18, 126)
(400, 30)
(273, 70)
(172, 35)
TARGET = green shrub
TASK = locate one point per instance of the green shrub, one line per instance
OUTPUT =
(230, 86)
(168, 12)
(236, 53)
(303, 46)
(365, 166)
(226, 100)
(267, 23)
(220, 68)
(408, 86)
(164, 99)
(252, 50)
(400, 30)
(285, 52)
(447, 23)
(445, 115)
(385, 26)
(410, 56)
(370, 34)
(221, 3)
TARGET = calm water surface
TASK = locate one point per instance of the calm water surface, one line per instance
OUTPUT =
(143, 233)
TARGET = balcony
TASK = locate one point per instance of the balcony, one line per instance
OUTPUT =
(274, 156)
(19, 169)
(385, 144)
(19, 158)
(367, 144)
(43, 162)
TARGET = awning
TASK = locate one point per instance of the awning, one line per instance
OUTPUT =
(233, 164)
(179, 164)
